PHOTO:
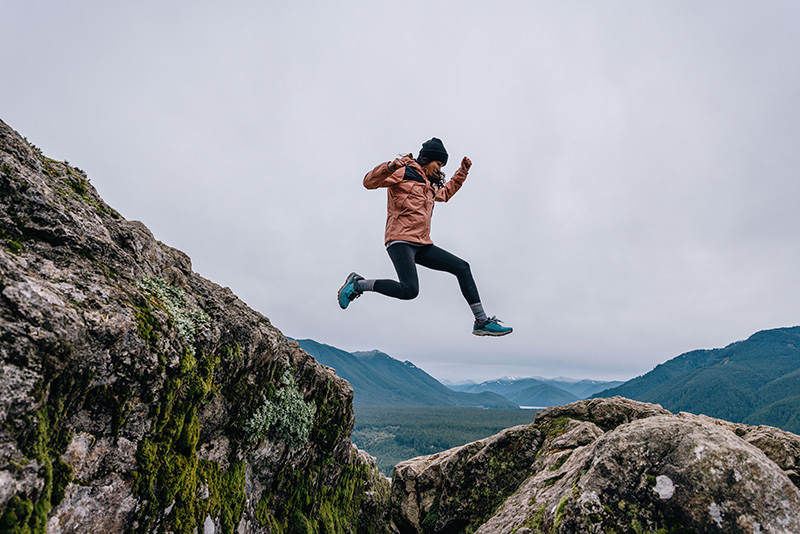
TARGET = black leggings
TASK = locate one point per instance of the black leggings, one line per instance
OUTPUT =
(406, 257)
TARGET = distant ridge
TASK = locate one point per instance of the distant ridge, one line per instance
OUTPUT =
(755, 381)
(542, 396)
(380, 380)
(538, 391)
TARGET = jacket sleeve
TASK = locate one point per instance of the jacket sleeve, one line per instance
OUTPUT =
(452, 186)
(382, 176)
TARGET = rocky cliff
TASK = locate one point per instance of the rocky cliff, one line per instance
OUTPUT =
(136, 396)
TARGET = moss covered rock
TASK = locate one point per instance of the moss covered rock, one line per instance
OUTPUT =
(130, 384)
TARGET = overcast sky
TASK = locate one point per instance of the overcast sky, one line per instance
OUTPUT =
(634, 189)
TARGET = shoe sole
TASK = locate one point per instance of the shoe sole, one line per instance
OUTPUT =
(492, 334)
(339, 295)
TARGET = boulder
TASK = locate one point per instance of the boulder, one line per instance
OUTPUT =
(608, 465)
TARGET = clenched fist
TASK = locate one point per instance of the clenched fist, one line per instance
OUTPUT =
(402, 161)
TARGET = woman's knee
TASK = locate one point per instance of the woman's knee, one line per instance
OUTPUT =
(462, 269)
(408, 292)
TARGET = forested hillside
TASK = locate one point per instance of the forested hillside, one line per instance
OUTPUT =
(756, 381)
(396, 433)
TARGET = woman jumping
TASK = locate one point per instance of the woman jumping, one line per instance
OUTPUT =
(413, 186)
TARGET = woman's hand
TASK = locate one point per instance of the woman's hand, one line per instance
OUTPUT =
(466, 163)
(402, 161)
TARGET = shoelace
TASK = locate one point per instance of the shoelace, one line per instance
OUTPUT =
(491, 319)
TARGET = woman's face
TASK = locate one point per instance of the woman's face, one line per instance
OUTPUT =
(433, 168)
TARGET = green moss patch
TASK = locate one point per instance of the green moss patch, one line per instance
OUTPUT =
(147, 326)
(302, 502)
(168, 473)
(113, 401)
(17, 516)
(12, 239)
(45, 442)
(534, 522)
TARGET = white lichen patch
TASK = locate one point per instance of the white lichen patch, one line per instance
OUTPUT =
(716, 513)
(208, 526)
(174, 301)
(698, 451)
(287, 414)
(664, 487)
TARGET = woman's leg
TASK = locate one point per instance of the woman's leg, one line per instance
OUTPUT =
(407, 286)
(405, 257)
(439, 259)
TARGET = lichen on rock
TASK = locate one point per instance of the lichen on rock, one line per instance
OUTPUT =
(174, 302)
(288, 415)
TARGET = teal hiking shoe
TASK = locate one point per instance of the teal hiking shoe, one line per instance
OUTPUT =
(349, 291)
(491, 327)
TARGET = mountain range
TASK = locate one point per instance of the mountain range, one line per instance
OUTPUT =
(380, 380)
(755, 381)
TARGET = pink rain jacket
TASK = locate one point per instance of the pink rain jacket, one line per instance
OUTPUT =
(410, 199)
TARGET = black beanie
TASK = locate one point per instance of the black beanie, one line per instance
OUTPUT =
(433, 149)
